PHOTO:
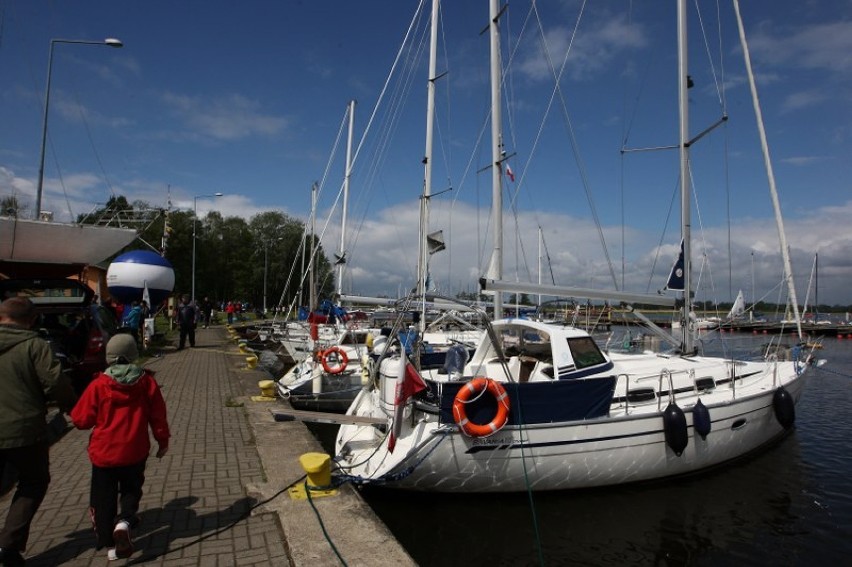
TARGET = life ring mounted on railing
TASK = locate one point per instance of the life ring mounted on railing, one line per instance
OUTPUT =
(474, 389)
(334, 360)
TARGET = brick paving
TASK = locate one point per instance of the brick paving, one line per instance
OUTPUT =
(197, 508)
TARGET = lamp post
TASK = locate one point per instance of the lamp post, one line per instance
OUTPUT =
(194, 221)
(109, 42)
(266, 244)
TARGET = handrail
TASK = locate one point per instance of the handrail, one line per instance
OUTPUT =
(663, 373)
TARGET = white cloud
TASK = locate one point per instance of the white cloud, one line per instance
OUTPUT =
(226, 118)
(593, 48)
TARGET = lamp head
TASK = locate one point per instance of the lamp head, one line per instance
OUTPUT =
(113, 42)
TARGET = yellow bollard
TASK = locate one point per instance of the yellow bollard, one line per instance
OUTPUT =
(267, 388)
(318, 467)
(251, 361)
(267, 391)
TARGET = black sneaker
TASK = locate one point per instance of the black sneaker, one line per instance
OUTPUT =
(11, 558)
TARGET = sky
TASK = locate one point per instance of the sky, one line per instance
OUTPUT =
(250, 99)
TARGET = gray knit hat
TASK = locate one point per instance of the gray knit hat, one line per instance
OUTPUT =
(121, 346)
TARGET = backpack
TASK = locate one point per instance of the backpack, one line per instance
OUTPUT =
(186, 315)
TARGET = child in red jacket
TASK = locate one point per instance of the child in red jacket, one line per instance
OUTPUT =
(119, 406)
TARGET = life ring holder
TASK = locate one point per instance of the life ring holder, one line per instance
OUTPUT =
(331, 366)
(474, 389)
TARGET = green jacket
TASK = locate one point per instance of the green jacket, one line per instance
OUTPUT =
(30, 375)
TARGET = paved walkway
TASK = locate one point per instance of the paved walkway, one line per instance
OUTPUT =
(201, 501)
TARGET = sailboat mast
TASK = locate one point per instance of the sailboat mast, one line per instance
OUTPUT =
(496, 267)
(779, 221)
(312, 288)
(685, 203)
(540, 243)
(816, 287)
(423, 258)
(341, 266)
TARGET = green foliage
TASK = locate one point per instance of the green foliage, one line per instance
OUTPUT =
(11, 206)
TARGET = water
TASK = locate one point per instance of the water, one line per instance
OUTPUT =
(789, 505)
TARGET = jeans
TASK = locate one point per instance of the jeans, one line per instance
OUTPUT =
(33, 465)
(187, 331)
(115, 496)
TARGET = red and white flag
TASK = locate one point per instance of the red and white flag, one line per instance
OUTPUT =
(408, 383)
(510, 173)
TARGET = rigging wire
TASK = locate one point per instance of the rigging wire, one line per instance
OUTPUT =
(413, 47)
(581, 168)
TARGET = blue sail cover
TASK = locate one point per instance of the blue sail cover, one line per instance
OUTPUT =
(537, 402)
(327, 312)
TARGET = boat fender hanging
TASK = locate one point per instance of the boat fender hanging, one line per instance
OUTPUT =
(472, 390)
(674, 426)
(366, 367)
(334, 360)
(785, 409)
(701, 419)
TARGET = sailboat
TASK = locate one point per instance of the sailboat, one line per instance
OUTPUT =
(331, 378)
(541, 407)
(330, 354)
(30, 245)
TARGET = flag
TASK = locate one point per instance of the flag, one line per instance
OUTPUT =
(676, 277)
(510, 173)
(408, 383)
(146, 296)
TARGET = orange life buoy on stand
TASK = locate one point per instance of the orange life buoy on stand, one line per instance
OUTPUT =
(474, 388)
(334, 360)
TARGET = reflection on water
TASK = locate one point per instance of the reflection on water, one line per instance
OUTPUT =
(791, 504)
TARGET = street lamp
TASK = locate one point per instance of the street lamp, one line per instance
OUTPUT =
(266, 244)
(109, 42)
(194, 219)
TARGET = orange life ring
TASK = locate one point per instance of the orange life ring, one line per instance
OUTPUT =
(334, 360)
(474, 388)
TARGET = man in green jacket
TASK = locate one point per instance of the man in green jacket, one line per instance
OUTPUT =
(29, 375)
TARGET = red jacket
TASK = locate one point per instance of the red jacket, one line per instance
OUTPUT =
(121, 406)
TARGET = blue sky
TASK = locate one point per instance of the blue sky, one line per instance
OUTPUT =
(248, 99)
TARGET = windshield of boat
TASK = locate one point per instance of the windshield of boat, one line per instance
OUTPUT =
(517, 341)
(585, 352)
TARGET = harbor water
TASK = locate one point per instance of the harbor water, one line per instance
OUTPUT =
(791, 504)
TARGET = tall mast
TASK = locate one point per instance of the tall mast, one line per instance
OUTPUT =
(767, 162)
(816, 287)
(496, 267)
(423, 257)
(312, 290)
(685, 201)
(341, 260)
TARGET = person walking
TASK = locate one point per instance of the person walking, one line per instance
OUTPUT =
(230, 308)
(207, 311)
(186, 315)
(29, 375)
(132, 319)
(119, 406)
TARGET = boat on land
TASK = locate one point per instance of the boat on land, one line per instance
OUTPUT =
(541, 407)
(31, 247)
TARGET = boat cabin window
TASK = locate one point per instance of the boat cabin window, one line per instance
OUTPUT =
(351, 338)
(518, 341)
(585, 352)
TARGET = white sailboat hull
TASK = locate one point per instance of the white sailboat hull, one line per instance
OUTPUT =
(23, 240)
(576, 417)
(626, 446)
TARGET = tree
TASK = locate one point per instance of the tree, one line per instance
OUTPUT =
(11, 206)
(280, 240)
